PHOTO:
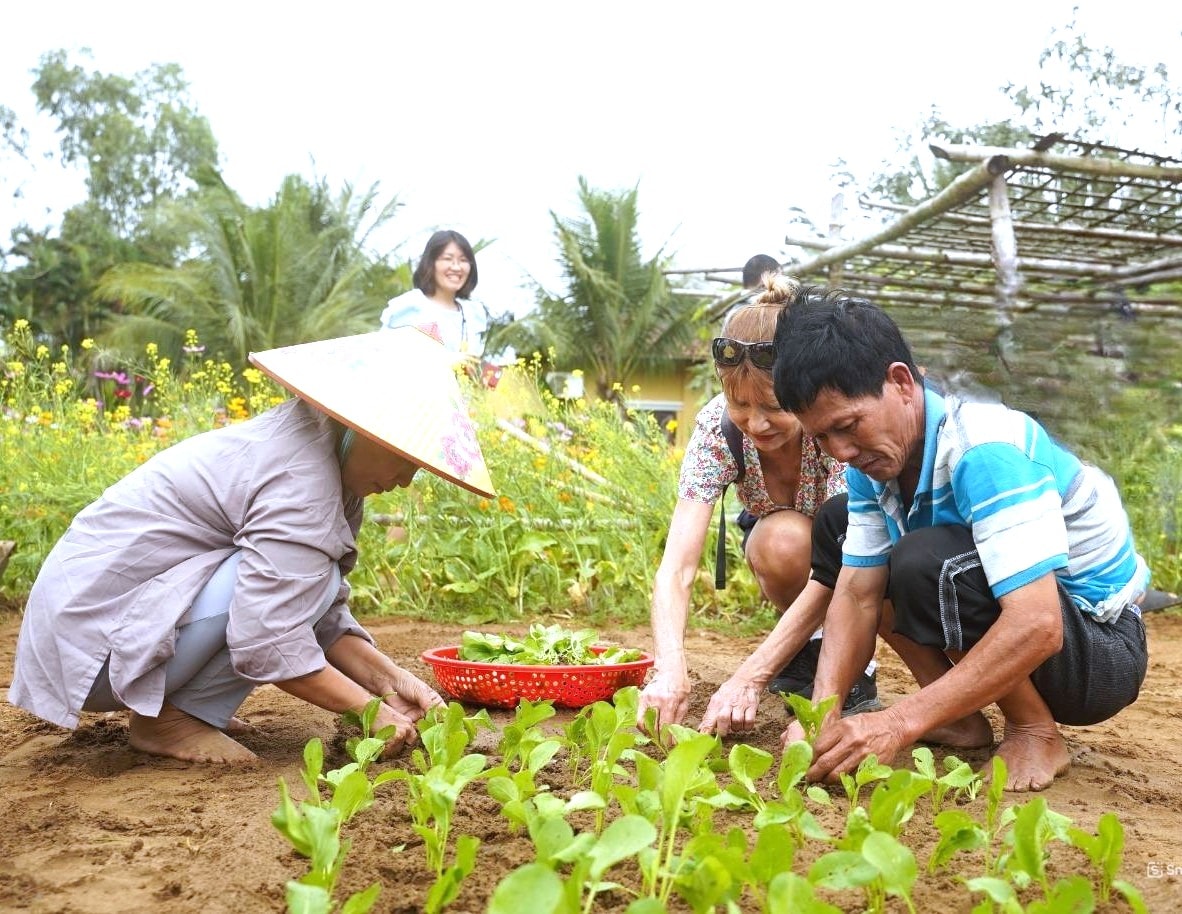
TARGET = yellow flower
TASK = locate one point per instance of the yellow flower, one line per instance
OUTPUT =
(252, 375)
(577, 373)
(635, 388)
(617, 387)
(16, 368)
(151, 349)
(20, 324)
(88, 343)
(671, 425)
(42, 352)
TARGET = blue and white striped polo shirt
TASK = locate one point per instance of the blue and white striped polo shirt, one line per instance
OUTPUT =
(1032, 506)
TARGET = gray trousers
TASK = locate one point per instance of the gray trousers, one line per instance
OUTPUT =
(199, 678)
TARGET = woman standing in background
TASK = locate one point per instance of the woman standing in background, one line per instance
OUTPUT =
(444, 279)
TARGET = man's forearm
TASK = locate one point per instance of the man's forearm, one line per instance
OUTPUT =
(1028, 631)
(851, 630)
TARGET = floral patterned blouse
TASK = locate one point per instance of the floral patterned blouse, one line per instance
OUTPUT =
(708, 468)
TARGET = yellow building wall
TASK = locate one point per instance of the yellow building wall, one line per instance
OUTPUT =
(664, 393)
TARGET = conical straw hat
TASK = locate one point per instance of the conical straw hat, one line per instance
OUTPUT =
(397, 387)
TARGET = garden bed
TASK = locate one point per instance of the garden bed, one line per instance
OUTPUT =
(94, 827)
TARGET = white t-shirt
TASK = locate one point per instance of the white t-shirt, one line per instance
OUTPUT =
(461, 330)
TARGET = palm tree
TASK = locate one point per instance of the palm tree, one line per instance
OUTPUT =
(293, 271)
(619, 315)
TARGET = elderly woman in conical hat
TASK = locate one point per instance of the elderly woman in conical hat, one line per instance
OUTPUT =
(219, 564)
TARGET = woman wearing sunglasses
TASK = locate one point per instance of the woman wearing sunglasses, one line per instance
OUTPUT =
(786, 478)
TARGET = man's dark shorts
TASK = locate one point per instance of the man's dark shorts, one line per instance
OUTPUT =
(942, 599)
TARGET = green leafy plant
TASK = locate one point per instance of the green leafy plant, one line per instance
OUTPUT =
(811, 715)
(545, 645)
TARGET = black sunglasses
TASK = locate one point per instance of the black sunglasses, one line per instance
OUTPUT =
(728, 353)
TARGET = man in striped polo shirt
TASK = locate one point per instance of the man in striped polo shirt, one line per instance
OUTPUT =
(1008, 563)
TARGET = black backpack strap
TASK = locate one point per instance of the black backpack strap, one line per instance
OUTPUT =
(734, 441)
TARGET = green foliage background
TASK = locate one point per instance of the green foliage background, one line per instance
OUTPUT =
(554, 543)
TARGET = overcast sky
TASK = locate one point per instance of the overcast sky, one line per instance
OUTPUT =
(481, 116)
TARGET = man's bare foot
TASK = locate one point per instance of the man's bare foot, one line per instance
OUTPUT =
(175, 734)
(1034, 755)
(971, 732)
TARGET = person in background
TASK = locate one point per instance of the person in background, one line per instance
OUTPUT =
(219, 564)
(1007, 564)
(444, 280)
(756, 269)
(787, 477)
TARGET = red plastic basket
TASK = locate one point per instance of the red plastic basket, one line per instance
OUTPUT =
(503, 685)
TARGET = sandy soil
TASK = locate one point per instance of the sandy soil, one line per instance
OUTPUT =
(96, 827)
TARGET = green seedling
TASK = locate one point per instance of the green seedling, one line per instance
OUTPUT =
(446, 734)
(667, 791)
(882, 867)
(788, 809)
(746, 765)
(999, 895)
(446, 887)
(535, 881)
(625, 837)
(519, 796)
(1071, 895)
(524, 732)
(312, 899)
(810, 715)
(367, 747)
(868, 771)
(789, 893)
(892, 804)
(589, 856)
(713, 870)
(857, 827)
(993, 797)
(432, 802)
(659, 736)
(958, 776)
(896, 867)
(1131, 895)
(773, 854)
(958, 832)
(1105, 849)
(1034, 826)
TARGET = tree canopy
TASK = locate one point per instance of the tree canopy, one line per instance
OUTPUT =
(619, 313)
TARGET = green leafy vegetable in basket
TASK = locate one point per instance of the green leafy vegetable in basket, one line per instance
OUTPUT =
(545, 645)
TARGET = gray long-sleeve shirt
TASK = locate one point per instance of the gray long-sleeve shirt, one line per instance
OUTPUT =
(132, 562)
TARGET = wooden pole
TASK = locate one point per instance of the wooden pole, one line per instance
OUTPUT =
(965, 187)
(1088, 165)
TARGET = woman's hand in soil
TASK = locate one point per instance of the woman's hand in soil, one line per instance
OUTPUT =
(405, 732)
(732, 707)
(668, 693)
(409, 696)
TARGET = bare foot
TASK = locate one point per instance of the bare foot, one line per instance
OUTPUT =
(1034, 756)
(971, 732)
(175, 734)
(238, 726)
